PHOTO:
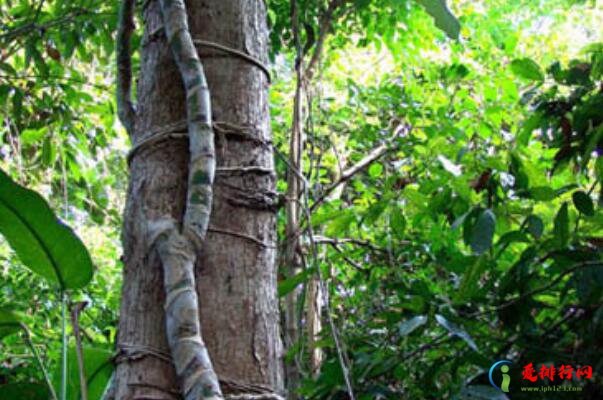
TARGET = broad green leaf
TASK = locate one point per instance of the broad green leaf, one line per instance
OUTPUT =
(43, 243)
(98, 369)
(519, 172)
(583, 203)
(286, 286)
(48, 152)
(535, 226)
(470, 280)
(375, 170)
(460, 221)
(527, 68)
(9, 323)
(527, 127)
(513, 237)
(596, 47)
(456, 330)
(407, 327)
(31, 136)
(543, 193)
(483, 232)
(562, 226)
(341, 222)
(24, 391)
(443, 17)
(372, 214)
(469, 223)
(397, 222)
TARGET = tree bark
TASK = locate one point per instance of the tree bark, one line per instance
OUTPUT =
(235, 269)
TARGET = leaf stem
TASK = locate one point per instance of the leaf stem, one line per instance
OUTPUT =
(75, 324)
(64, 345)
(36, 354)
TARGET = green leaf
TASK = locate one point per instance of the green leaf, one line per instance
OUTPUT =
(375, 170)
(340, 223)
(407, 327)
(98, 369)
(460, 221)
(443, 17)
(31, 136)
(43, 243)
(9, 323)
(543, 193)
(483, 232)
(456, 330)
(527, 68)
(286, 286)
(561, 228)
(397, 222)
(583, 203)
(513, 237)
(29, 391)
(470, 280)
(535, 226)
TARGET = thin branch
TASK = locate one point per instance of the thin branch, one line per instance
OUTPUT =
(373, 156)
(30, 27)
(431, 344)
(541, 289)
(75, 314)
(54, 78)
(125, 106)
(36, 354)
(325, 27)
(341, 354)
(353, 241)
(295, 182)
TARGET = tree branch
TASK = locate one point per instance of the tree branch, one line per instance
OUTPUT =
(353, 241)
(429, 345)
(29, 27)
(38, 79)
(541, 289)
(75, 321)
(373, 156)
(325, 26)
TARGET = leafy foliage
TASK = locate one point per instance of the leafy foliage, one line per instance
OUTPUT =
(99, 368)
(43, 243)
(442, 16)
(469, 224)
(477, 237)
(9, 323)
(60, 139)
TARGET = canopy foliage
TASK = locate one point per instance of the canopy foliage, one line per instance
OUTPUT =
(475, 238)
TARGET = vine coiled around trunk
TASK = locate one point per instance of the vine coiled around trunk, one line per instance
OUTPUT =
(178, 246)
(178, 250)
(126, 110)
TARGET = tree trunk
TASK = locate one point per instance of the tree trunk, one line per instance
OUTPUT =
(235, 270)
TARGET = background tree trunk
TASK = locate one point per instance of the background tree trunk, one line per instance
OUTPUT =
(236, 270)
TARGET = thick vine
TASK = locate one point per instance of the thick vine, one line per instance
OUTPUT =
(177, 246)
(125, 107)
(178, 250)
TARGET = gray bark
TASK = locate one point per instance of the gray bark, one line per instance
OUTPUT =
(235, 268)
